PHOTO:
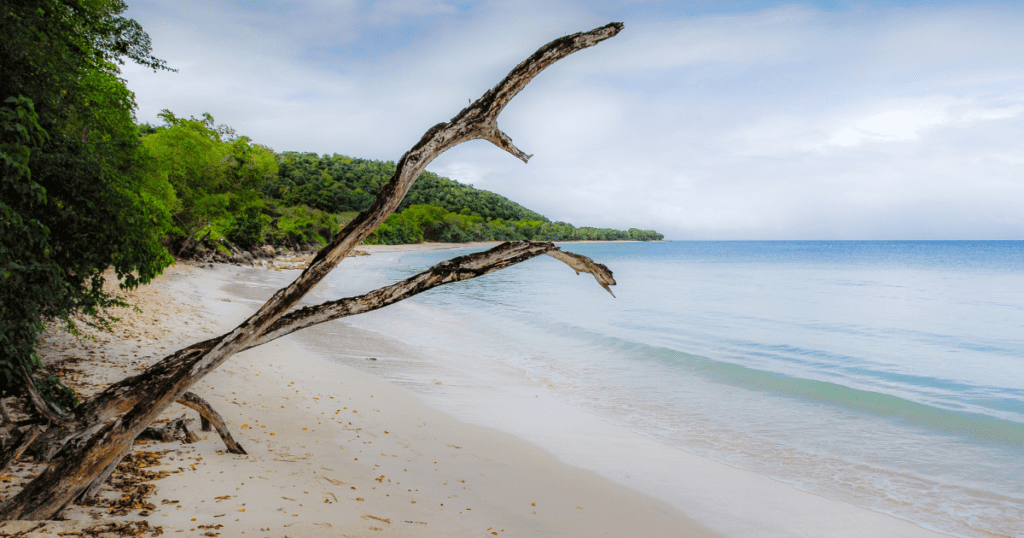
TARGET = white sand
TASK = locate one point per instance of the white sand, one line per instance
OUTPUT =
(337, 452)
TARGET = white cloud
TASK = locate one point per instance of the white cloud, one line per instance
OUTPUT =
(782, 123)
(909, 119)
(888, 126)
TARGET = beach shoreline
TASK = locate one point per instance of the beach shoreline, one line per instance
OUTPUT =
(333, 451)
(284, 404)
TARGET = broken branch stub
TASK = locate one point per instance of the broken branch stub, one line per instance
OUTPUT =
(89, 454)
(582, 264)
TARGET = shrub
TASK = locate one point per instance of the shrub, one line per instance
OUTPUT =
(247, 229)
(300, 225)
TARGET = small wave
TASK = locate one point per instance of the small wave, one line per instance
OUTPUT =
(962, 423)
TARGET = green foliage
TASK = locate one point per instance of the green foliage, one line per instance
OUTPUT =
(432, 223)
(73, 196)
(301, 225)
(247, 229)
(465, 199)
(22, 269)
(397, 229)
(211, 173)
(337, 183)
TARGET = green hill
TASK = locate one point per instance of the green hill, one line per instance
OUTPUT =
(435, 209)
(217, 190)
(336, 183)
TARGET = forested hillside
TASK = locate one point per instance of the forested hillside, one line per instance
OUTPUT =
(336, 183)
(436, 208)
(218, 191)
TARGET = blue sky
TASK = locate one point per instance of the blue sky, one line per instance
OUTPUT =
(702, 119)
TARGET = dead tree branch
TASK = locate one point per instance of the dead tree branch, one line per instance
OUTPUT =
(119, 398)
(21, 440)
(211, 416)
(86, 456)
(453, 270)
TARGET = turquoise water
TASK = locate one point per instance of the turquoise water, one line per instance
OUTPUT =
(885, 374)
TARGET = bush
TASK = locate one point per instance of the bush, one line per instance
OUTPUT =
(300, 225)
(247, 230)
(398, 229)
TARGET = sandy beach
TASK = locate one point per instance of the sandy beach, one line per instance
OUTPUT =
(333, 451)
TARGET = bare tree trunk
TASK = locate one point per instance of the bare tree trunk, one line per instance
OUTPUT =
(104, 437)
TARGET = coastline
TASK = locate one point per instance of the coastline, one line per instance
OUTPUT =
(333, 451)
(503, 472)
(419, 247)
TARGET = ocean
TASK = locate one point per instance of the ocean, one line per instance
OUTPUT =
(888, 375)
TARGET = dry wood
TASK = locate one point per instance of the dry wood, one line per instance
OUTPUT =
(173, 430)
(51, 413)
(19, 442)
(4, 414)
(103, 440)
(210, 416)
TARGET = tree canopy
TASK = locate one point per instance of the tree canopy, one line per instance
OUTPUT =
(336, 183)
(73, 193)
(205, 172)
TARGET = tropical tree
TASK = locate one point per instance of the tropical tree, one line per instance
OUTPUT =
(213, 173)
(74, 196)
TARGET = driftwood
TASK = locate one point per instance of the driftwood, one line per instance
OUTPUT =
(210, 416)
(106, 425)
(19, 442)
(4, 414)
(173, 430)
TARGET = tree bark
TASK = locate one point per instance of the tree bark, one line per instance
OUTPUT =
(4, 414)
(105, 437)
(19, 442)
(208, 415)
(126, 394)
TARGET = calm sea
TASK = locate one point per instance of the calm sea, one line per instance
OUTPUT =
(885, 374)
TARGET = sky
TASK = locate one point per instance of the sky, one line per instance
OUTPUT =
(703, 120)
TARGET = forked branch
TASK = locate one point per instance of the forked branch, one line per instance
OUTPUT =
(98, 445)
(119, 397)
(453, 270)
